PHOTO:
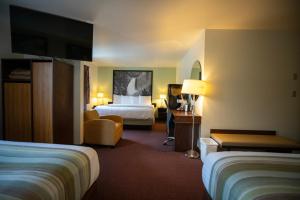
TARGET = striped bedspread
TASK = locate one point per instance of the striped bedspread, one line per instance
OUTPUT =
(29, 172)
(233, 175)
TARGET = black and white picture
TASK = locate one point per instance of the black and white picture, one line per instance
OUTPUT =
(132, 83)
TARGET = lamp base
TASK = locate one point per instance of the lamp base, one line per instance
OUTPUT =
(192, 154)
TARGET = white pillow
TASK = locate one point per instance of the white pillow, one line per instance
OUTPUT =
(135, 99)
(145, 100)
(130, 100)
(141, 100)
(127, 99)
(117, 99)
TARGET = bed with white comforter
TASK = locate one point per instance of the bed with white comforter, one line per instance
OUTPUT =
(130, 113)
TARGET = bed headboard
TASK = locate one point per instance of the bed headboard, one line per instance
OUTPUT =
(132, 83)
(251, 132)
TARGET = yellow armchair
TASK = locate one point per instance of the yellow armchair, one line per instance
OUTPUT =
(114, 118)
(104, 130)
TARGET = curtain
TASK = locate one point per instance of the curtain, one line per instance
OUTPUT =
(86, 86)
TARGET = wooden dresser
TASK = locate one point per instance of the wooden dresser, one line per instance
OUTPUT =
(183, 130)
(37, 100)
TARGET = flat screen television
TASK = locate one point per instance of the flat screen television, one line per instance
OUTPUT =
(43, 34)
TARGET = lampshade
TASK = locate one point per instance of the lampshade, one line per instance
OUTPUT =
(194, 87)
(100, 94)
(162, 96)
(94, 101)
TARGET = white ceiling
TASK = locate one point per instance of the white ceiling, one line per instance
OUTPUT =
(159, 32)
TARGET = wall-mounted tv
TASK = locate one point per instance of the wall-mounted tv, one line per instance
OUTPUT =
(43, 34)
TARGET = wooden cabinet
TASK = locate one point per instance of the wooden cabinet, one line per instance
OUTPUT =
(183, 130)
(17, 108)
(42, 77)
(63, 103)
(38, 100)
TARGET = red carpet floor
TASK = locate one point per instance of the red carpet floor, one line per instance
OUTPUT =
(141, 168)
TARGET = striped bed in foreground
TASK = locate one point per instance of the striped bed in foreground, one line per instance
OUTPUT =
(234, 175)
(46, 171)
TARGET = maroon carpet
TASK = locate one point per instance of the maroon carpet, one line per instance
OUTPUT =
(140, 167)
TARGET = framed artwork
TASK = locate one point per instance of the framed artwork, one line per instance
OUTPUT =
(132, 82)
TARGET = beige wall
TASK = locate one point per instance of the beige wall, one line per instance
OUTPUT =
(250, 74)
(196, 52)
(78, 96)
(184, 69)
(78, 102)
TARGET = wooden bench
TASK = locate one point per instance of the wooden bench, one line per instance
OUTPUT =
(252, 140)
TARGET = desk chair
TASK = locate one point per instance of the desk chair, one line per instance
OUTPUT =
(170, 125)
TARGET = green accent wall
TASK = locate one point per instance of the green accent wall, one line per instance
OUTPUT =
(161, 78)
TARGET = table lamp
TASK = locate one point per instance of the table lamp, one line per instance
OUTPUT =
(162, 97)
(194, 88)
(100, 97)
(94, 102)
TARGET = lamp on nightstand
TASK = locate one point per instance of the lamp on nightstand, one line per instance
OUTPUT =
(100, 97)
(94, 102)
(162, 97)
(194, 88)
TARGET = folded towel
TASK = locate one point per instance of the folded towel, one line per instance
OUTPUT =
(21, 72)
(19, 77)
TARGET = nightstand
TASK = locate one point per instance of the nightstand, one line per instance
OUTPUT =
(162, 114)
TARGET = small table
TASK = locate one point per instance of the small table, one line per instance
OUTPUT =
(265, 142)
(183, 130)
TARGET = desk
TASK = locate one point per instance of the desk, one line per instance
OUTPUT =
(183, 130)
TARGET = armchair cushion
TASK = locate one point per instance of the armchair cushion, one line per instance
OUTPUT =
(114, 118)
(90, 115)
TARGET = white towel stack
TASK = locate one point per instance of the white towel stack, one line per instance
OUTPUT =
(20, 74)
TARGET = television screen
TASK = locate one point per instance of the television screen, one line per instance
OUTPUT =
(42, 34)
